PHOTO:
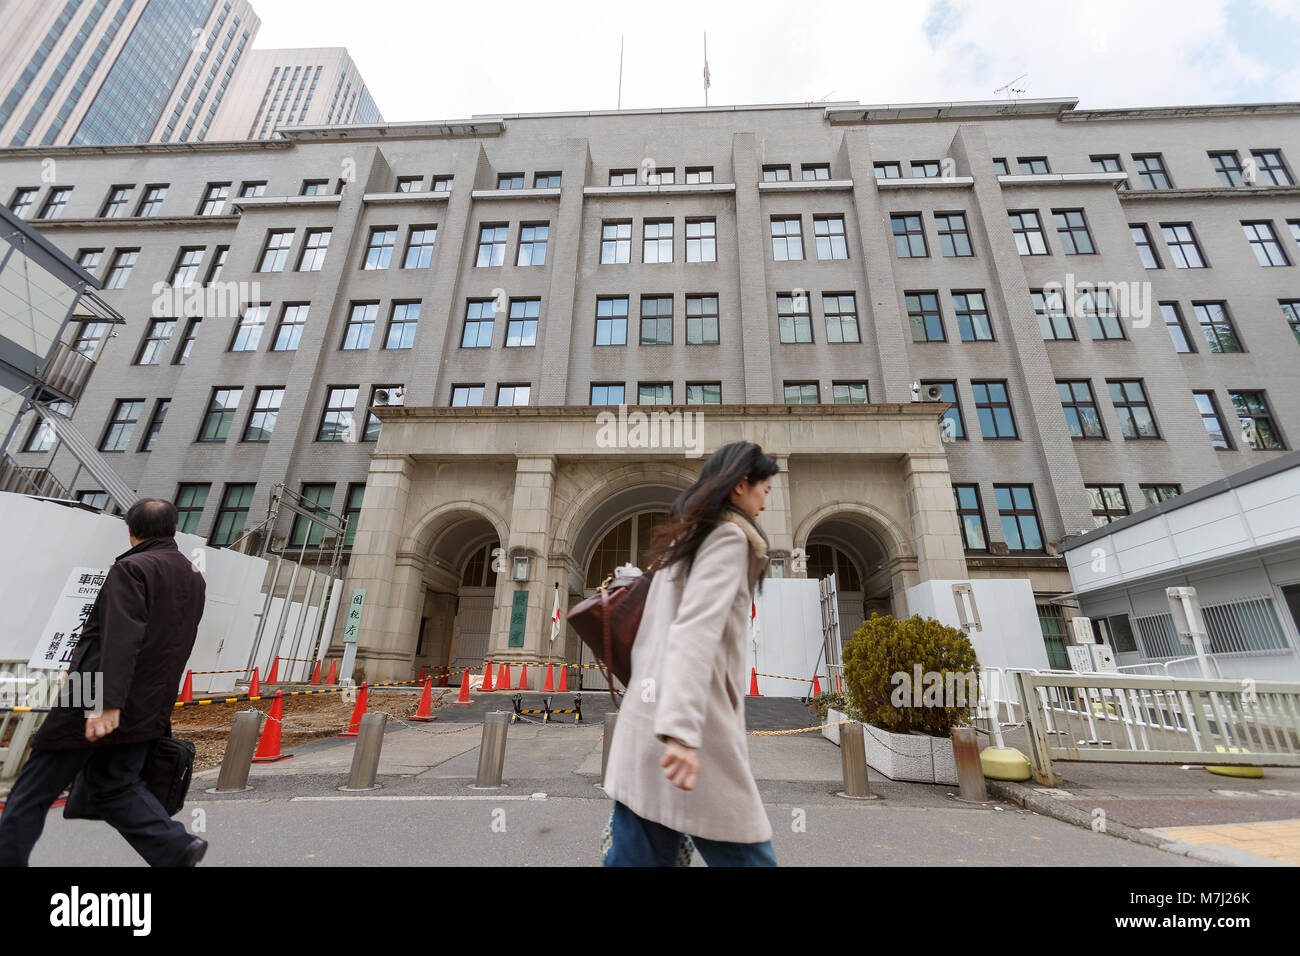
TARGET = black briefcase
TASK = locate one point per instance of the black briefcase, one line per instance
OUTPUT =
(167, 772)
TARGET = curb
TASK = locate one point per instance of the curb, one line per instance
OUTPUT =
(1031, 799)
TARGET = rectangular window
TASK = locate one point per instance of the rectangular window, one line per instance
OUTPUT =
(1032, 165)
(793, 317)
(1154, 494)
(1028, 233)
(151, 202)
(1108, 503)
(1228, 168)
(654, 393)
(1257, 428)
(954, 237)
(1216, 326)
(1132, 409)
(787, 238)
(187, 344)
(815, 171)
(622, 177)
(909, 236)
(379, 252)
(1145, 247)
(508, 395)
(221, 412)
(611, 321)
(656, 176)
(1109, 164)
(276, 250)
(703, 393)
(970, 516)
(373, 424)
(361, 325)
(232, 515)
(466, 396)
(402, 324)
(218, 263)
(925, 169)
(1019, 517)
(1291, 312)
(214, 199)
(317, 498)
(776, 174)
(315, 187)
(419, 247)
(352, 511)
(1263, 240)
(251, 190)
(441, 184)
(55, 202)
(954, 426)
(1080, 407)
(190, 499)
(480, 316)
(656, 320)
(1098, 309)
(701, 240)
(993, 408)
(546, 181)
(829, 234)
(95, 499)
(888, 170)
(923, 314)
(410, 184)
(849, 393)
(657, 241)
(42, 436)
(292, 321)
(88, 259)
(702, 320)
(336, 418)
(155, 342)
(266, 409)
(973, 324)
(510, 181)
(117, 434)
(841, 312)
(699, 174)
(188, 261)
(248, 333)
(521, 327)
(801, 393)
(615, 242)
(314, 248)
(119, 197)
(1151, 171)
(23, 200)
(1270, 170)
(606, 394)
(120, 270)
(1053, 320)
(89, 336)
(1000, 167)
(1173, 317)
(1072, 229)
(1209, 409)
(1182, 245)
(532, 244)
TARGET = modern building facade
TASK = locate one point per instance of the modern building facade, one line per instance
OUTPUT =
(968, 331)
(300, 87)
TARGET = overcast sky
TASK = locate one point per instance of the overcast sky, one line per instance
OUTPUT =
(428, 60)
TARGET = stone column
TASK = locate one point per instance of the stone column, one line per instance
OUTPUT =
(776, 520)
(530, 521)
(936, 537)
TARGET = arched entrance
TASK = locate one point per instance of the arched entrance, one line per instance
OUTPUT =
(852, 546)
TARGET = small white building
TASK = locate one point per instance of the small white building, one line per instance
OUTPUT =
(1236, 540)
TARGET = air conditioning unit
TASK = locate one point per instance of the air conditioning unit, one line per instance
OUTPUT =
(390, 396)
(932, 393)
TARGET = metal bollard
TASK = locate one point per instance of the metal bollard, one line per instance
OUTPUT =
(365, 756)
(970, 772)
(853, 755)
(238, 758)
(492, 751)
(610, 721)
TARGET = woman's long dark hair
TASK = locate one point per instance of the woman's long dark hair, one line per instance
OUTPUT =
(698, 509)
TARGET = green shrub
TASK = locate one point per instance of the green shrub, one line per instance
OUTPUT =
(880, 669)
(833, 700)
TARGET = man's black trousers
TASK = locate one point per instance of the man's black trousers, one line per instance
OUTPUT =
(112, 774)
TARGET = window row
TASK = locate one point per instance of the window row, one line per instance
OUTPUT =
(237, 499)
(121, 199)
(1184, 251)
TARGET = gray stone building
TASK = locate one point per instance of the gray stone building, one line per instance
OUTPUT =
(1103, 304)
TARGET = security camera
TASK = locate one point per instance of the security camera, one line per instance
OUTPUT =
(916, 391)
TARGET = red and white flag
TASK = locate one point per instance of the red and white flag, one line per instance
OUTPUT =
(555, 615)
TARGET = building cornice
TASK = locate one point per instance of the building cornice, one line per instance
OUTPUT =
(1213, 192)
(884, 410)
(1063, 179)
(139, 222)
(130, 149)
(649, 189)
(1181, 112)
(967, 109)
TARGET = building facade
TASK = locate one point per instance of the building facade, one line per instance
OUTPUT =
(968, 331)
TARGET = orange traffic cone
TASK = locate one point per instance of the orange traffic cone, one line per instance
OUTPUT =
(564, 680)
(357, 713)
(187, 689)
(443, 681)
(334, 669)
(503, 677)
(817, 686)
(523, 678)
(255, 685)
(315, 675)
(753, 683)
(422, 712)
(421, 677)
(549, 686)
(464, 690)
(487, 676)
(274, 676)
(268, 748)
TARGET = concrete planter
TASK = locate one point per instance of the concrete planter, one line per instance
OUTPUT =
(912, 757)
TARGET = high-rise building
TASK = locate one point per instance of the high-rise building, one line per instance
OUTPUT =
(967, 331)
(301, 87)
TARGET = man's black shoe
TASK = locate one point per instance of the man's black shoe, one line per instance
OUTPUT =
(193, 853)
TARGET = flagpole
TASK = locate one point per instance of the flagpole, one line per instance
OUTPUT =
(620, 72)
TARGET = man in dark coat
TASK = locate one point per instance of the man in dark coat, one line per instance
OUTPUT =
(132, 652)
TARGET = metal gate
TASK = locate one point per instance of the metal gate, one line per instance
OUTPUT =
(472, 628)
(830, 604)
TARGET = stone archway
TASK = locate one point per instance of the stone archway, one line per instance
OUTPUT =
(876, 550)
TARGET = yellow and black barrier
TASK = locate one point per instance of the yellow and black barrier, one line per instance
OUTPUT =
(547, 710)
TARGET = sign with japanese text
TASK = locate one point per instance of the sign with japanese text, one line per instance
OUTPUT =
(63, 630)
(353, 625)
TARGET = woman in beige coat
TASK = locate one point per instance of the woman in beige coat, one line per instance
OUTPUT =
(679, 762)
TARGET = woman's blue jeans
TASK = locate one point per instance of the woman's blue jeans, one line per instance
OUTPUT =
(640, 842)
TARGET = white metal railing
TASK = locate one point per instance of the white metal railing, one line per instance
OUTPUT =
(21, 687)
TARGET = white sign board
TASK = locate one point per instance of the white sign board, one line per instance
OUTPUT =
(63, 630)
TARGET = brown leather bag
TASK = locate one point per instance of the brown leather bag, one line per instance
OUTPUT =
(608, 621)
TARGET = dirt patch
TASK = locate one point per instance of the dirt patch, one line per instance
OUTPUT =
(305, 718)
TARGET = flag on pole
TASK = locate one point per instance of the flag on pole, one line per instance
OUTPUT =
(706, 61)
(555, 614)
